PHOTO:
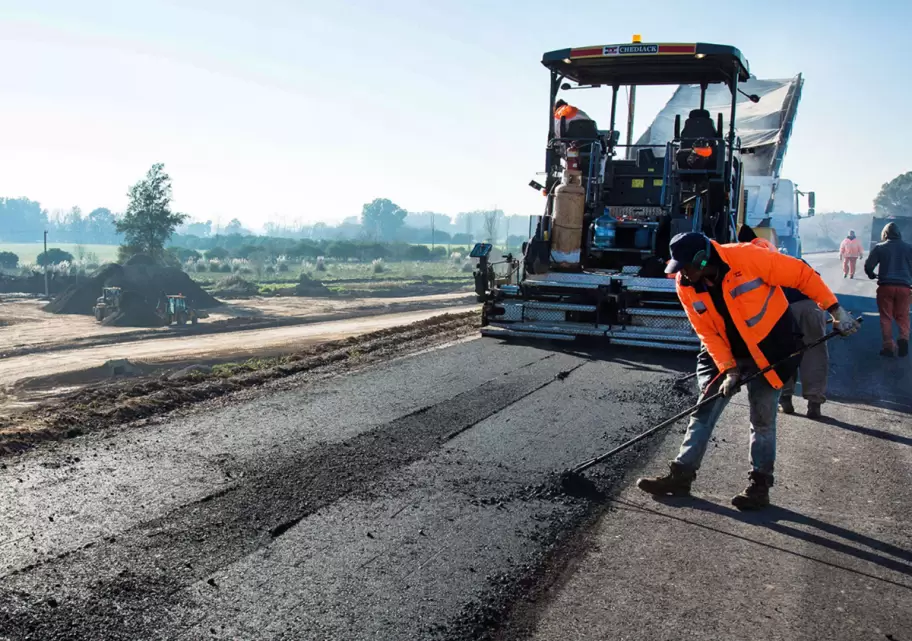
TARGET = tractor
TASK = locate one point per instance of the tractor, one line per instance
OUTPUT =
(108, 303)
(174, 309)
(595, 263)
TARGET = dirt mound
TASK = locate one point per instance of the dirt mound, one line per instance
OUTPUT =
(235, 287)
(142, 285)
(308, 286)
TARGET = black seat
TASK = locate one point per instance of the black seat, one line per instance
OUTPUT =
(699, 126)
(582, 130)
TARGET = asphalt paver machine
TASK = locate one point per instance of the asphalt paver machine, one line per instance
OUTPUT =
(595, 264)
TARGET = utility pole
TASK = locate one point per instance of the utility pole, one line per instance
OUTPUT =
(631, 110)
(432, 232)
(46, 293)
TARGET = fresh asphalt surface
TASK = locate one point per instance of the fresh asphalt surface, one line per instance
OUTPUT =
(402, 502)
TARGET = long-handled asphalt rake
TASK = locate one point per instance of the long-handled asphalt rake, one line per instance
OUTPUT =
(572, 479)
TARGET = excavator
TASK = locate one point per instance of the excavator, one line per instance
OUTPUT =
(595, 263)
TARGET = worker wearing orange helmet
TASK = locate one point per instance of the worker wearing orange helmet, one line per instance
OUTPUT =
(733, 298)
(850, 252)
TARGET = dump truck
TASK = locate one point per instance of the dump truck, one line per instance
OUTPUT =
(879, 222)
(595, 263)
(773, 205)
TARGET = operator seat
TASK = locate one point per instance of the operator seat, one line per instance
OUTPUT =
(698, 126)
(586, 132)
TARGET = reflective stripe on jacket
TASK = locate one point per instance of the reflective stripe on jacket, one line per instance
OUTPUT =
(851, 248)
(751, 290)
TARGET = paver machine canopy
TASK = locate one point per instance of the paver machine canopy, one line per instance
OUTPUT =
(634, 198)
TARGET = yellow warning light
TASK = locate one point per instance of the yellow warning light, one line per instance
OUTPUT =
(637, 38)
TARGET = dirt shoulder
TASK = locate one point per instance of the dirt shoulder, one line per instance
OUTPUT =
(26, 329)
(113, 403)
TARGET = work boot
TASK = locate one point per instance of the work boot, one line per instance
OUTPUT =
(786, 404)
(813, 410)
(886, 351)
(756, 495)
(903, 347)
(675, 483)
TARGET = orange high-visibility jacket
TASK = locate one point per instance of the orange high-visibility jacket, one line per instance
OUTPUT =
(751, 290)
(569, 113)
(851, 248)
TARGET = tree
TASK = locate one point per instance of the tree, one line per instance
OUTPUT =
(235, 227)
(382, 218)
(54, 256)
(8, 260)
(100, 225)
(895, 197)
(22, 220)
(217, 253)
(203, 230)
(491, 223)
(149, 222)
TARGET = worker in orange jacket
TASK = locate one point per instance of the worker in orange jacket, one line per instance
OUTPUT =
(850, 252)
(569, 113)
(733, 298)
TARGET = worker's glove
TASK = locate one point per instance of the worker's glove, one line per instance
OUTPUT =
(731, 384)
(843, 321)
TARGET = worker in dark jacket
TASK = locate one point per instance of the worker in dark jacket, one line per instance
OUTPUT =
(894, 284)
(733, 298)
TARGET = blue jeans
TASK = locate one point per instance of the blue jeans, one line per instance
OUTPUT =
(764, 401)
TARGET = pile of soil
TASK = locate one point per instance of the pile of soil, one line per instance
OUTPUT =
(308, 286)
(143, 281)
(235, 287)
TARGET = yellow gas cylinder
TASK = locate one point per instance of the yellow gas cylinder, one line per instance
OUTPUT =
(567, 221)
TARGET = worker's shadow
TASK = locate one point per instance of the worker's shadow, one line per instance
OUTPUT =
(784, 521)
(867, 431)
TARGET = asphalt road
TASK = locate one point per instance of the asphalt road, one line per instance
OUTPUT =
(398, 503)
(408, 501)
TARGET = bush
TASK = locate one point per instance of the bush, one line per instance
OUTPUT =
(468, 266)
(270, 269)
(201, 266)
(321, 264)
(235, 285)
(244, 270)
(377, 266)
(54, 256)
(184, 255)
(282, 267)
(217, 253)
(418, 252)
(9, 260)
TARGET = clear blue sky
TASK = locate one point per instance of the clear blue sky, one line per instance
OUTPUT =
(306, 110)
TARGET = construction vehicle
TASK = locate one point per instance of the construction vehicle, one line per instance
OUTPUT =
(611, 209)
(174, 309)
(773, 204)
(879, 222)
(108, 303)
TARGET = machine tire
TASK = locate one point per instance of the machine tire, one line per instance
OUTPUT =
(99, 314)
(181, 318)
(194, 320)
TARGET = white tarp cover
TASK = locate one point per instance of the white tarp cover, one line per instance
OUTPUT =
(764, 126)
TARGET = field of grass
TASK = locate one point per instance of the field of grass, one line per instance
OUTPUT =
(28, 252)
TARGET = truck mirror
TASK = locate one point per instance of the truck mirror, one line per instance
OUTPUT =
(677, 127)
(812, 201)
